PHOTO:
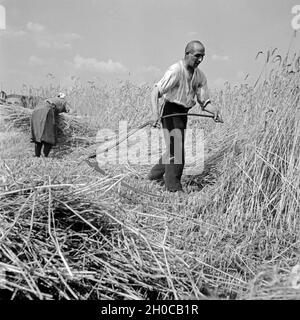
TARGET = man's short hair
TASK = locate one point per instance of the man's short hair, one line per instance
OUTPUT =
(190, 46)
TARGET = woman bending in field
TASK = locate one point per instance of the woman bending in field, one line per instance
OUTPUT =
(43, 123)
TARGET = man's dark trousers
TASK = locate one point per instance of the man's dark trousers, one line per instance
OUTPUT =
(172, 162)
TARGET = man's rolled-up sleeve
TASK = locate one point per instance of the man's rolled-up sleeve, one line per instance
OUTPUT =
(168, 81)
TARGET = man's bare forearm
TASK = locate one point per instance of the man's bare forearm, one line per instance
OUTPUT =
(210, 108)
(155, 95)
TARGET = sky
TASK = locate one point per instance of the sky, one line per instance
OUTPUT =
(137, 40)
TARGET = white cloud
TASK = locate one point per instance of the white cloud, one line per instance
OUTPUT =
(61, 45)
(19, 33)
(35, 27)
(35, 61)
(43, 43)
(149, 69)
(219, 58)
(71, 36)
(57, 41)
(41, 36)
(92, 64)
(10, 32)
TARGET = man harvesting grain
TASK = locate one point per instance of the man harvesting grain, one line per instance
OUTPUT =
(182, 82)
(43, 123)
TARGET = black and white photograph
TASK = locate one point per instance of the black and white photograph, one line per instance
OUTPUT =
(149, 152)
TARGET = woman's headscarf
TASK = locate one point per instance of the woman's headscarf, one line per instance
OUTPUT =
(60, 102)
